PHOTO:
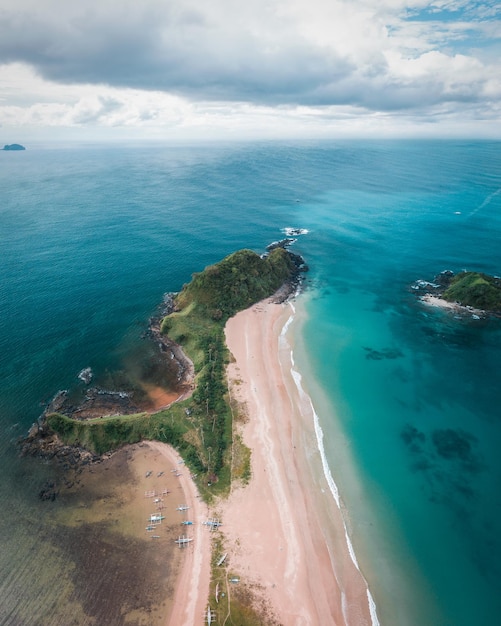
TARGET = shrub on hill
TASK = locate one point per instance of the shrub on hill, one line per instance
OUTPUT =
(475, 289)
(201, 426)
(236, 282)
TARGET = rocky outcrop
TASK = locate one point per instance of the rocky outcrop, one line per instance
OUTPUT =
(43, 443)
(174, 353)
(471, 294)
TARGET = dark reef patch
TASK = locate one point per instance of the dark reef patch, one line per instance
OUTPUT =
(448, 461)
(385, 353)
(113, 575)
(456, 445)
(413, 438)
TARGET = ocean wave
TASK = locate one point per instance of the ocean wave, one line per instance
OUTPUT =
(319, 433)
(290, 231)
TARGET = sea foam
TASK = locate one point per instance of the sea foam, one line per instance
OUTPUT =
(319, 433)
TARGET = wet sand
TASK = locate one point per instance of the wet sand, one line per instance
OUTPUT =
(122, 572)
(284, 532)
(192, 586)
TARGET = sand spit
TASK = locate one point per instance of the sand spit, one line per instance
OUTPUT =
(284, 531)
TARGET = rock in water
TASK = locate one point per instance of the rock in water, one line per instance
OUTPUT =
(86, 375)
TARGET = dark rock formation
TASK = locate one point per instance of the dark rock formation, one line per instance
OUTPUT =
(86, 375)
(41, 442)
(174, 352)
(283, 243)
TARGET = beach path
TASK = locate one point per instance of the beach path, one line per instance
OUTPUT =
(285, 534)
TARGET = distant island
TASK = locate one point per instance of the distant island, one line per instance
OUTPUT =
(13, 146)
(468, 292)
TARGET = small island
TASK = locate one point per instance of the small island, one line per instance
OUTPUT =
(13, 146)
(470, 293)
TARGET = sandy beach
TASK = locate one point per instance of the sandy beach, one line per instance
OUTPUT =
(284, 533)
(453, 307)
(150, 583)
(192, 587)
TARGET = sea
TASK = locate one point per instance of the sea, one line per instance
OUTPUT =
(408, 397)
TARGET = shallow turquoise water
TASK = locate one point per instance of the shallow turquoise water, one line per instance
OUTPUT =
(92, 236)
(415, 392)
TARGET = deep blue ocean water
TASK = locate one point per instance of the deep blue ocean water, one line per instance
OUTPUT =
(91, 238)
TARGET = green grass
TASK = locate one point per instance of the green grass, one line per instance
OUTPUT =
(201, 427)
(239, 603)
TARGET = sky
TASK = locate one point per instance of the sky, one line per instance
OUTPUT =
(205, 69)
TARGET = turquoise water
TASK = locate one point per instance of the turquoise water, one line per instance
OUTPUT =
(415, 392)
(92, 236)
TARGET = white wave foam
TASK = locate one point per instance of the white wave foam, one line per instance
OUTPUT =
(326, 469)
(293, 232)
(344, 607)
(287, 323)
(350, 548)
(372, 609)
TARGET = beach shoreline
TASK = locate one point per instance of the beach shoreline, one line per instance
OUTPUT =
(110, 504)
(192, 587)
(453, 307)
(285, 533)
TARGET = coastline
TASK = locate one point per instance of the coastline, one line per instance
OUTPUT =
(437, 302)
(109, 505)
(192, 586)
(285, 532)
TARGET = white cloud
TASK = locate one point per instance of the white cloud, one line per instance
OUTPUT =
(224, 64)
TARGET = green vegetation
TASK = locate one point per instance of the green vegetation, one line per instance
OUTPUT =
(200, 428)
(240, 604)
(236, 282)
(475, 289)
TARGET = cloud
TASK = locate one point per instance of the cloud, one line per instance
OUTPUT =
(223, 53)
(371, 56)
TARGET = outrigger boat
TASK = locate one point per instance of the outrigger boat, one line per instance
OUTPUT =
(213, 523)
(182, 541)
(210, 616)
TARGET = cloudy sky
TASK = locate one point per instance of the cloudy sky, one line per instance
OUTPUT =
(172, 69)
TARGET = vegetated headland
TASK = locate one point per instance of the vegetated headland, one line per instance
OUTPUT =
(199, 424)
(466, 293)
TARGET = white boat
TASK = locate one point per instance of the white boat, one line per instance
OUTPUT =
(213, 523)
(182, 541)
(210, 616)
